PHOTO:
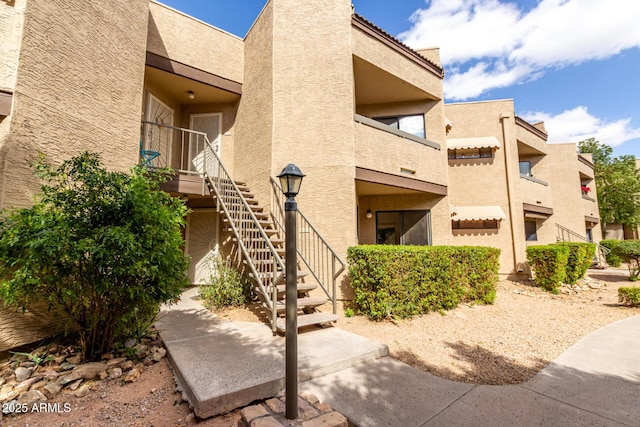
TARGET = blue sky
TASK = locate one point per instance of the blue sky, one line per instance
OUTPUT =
(573, 63)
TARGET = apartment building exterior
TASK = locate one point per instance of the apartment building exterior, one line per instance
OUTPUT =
(361, 114)
(509, 188)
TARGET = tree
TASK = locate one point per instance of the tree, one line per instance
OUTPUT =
(103, 249)
(618, 184)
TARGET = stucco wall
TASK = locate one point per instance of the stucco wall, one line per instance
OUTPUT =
(395, 63)
(76, 90)
(313, 108)
(185, 39)
(254, 125)
(489, 182)
(570, 208)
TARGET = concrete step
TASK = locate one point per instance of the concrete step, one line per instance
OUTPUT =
(302, 288)
(222, 366)
(302, 303)
(317, 318)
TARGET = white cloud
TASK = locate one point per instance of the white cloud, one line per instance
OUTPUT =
(487, 44)
(578, 124)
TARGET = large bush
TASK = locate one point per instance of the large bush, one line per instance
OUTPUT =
(103, 249)
(612, 259)
(402, 281)
(629, 252)
(549, 263)
(580, 259)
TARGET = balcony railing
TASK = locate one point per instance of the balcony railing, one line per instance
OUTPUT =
(183, 150)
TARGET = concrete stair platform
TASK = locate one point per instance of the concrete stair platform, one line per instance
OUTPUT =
(221, 366)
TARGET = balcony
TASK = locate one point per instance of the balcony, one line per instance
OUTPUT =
(187, 152)
(384, 149)
(535, 192)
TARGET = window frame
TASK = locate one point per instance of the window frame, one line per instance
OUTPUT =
(395, 120)
(401, 223)
(474, 153)
(530, 237)
(482, 224)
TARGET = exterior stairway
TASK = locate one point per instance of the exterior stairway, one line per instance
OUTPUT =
(258, 233)
(567, 235)
(262, 246)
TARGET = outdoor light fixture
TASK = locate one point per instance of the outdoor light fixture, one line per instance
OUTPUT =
(369, 214)
(290, 180)
(191, 95)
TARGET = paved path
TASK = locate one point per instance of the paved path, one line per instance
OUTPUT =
(223, 365)
(594, 383)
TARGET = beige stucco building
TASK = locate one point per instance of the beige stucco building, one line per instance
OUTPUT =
(360, 113)
(509, 188)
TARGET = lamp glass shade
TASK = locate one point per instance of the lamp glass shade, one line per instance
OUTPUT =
(291, 180)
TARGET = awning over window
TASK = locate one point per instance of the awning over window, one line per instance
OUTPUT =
(467, 143)
(477, 213)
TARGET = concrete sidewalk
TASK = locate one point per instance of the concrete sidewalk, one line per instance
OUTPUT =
(222, 366)
(594, 383)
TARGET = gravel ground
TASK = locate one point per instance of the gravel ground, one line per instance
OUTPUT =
(504, 343)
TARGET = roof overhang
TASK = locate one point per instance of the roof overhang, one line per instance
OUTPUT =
(396, 184)
(591, 219)
(467, 143)
(477, 213)
(536, 212)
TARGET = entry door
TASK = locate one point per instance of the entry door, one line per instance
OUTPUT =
(202, 244)
(210, 124)
(158, 138)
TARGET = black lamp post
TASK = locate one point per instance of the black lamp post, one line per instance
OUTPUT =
(290, 180)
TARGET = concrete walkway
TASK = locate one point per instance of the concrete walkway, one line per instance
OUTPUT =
(222, 366)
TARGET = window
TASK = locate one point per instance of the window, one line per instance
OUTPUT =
(525, 168)
(403, 228)
(474, 225)
(413, 124)
(471, 153)
(531, 230)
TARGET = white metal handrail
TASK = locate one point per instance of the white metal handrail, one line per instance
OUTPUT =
(323, 262)
(567, 235)
(266, 266)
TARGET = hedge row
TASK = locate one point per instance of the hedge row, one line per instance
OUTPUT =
(565, 262)
(402, 281)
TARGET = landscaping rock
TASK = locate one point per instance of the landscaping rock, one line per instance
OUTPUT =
(74, 360)
(116, 361)
(22, 373)
(82, 391)
(32, 397)
(53, 388)
(158, 353)
(114, 373)
(132, 375)
(130, 343)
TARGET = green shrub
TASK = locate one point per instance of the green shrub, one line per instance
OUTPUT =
(629, 252)
(629, 296)
(549, 263)
(103, 249)
(226, 286)
(402, 281)
(580, 259)
(612, 259)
